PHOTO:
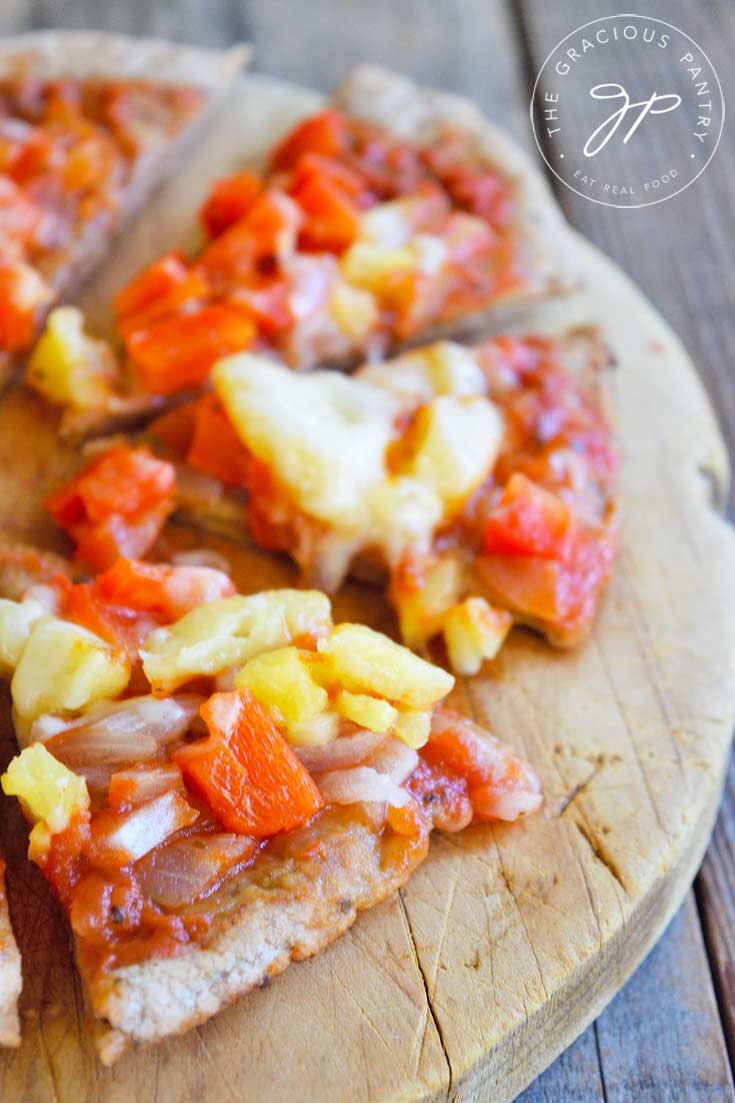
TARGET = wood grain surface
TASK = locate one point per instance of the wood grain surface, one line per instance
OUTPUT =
(678, 252)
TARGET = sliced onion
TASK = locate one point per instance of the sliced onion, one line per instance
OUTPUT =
(136, 786)
(395, 759)
(124, 731)
(361, 783)
(133, 834)
(347, 750)
(188, 868)
(201, 557)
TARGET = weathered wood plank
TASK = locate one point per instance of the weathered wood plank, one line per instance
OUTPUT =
(574, 1077)
(660, 1040)
(716, 895)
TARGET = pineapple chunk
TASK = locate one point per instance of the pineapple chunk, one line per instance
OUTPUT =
(368, 712)
(354, 310)
(228, 632)
(422, 609)
(364, 661)
(474, 631)
(413, 728)
(454, 369)
(50, 792)
(68, 367)
(17, 618)
(458, 441)
(402, 513)
(64, 668)
(324, 435)
(282, 680)
(369, 265)
(321, 729)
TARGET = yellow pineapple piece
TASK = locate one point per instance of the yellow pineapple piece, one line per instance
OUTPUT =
(49, 791)
(67, 366)
(454, 369)
(422, 609)
(413, 727)
(368, 712)
(282, 680)
(65, 668)
(364, 661)
(315, 732)
(354, 310)
(457, 443)
(17, 619)
(369, 265)
(225, 633)
(474, 631)
(388, 224)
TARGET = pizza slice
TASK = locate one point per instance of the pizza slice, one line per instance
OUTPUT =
(10, 974)
(218, 783)
(481, 480)
(393, 215)
(89, 124)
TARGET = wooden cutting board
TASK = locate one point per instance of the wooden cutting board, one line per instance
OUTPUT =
(509, 939)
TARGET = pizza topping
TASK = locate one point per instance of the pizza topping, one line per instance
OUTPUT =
(137, 813)
(70, 368)
(246, 771)
(115, 506)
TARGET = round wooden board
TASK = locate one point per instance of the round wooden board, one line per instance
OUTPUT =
(508, 940)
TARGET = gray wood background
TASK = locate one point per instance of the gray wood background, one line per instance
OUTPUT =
(669, 1036)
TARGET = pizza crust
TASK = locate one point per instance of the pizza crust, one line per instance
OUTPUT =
(300, 909)
(394, 103)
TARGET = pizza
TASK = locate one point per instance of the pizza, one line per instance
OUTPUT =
(89, 124)
(479, 480)
(218, 783)
(393, 215)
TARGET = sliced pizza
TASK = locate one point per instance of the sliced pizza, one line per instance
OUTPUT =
(481, 479)
(218, 783)
(89, 124)
(394, 214)
(10, 973)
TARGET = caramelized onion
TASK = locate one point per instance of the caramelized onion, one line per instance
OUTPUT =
(184, 870)
(358, 784)
(133, 834)
(127, 731)
(137, 785)
(347, 750)
(395, 759)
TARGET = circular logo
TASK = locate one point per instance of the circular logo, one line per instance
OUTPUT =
(627, 111)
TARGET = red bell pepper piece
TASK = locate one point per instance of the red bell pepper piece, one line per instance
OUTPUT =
(229, 200)
(215, 447)
(529, 520)
(327, 133)
(245, 770)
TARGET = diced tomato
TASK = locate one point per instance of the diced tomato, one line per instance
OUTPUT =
(263, 493)
(23, 293)
(19, 217)
(267, 232)
(529, 520)
(174, 429)
(103, 908)
(155, 281)
(62, 864)
(178, 352)
(169, 592)
(189, 291)
(215, 447)
(268, 302)
(327, 133)
(229, 200)
(127, 602)
(116, 506)
(561, 596)
(245, 770)
(332, 218)
(442, 796)
(500, 785)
